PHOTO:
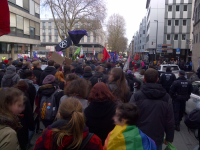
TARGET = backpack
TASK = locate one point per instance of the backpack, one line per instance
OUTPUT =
(48, 107)
(192, 120)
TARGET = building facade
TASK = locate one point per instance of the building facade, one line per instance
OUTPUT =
(173, 19)
(24, 26)
(50, 38)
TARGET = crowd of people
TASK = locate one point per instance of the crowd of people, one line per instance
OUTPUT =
(89, 105)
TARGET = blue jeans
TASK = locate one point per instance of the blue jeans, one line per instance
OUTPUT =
(159, 147)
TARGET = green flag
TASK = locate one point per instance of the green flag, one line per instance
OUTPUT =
(77, 51)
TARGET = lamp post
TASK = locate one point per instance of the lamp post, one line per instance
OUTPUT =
(156, 38)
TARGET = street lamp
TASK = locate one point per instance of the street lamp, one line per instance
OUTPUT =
(156, 38)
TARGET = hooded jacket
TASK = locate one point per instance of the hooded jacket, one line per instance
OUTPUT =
(47, 71)
(10, 78)
(37, 72)
(98, 77)
(99, 118)
(46, 140)
(156, 112)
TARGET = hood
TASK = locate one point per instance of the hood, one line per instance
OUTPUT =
(87, 74)
(100, 109)
(49, 69)
(47, 89)
(98, 74)
(153, 91)
(10, 72)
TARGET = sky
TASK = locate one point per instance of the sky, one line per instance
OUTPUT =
(133, 12)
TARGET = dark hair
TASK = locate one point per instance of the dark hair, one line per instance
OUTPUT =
(57, 66)
(108, 65)
(51, 63)
(100, 92)
(27, 73)
(71, 77)
(22, 85)
(98, 68)
(142, 72)
(77, 87)
(128, 111)
(19, 64)
(151, 76)
(67, 70)
(87, 69)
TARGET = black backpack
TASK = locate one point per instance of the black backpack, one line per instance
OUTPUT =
(192, 121)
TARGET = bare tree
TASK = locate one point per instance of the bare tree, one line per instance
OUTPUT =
(116, 33)
(69, 15)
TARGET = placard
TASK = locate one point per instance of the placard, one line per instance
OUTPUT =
(57, 58)
(68, 61)
(100, 56)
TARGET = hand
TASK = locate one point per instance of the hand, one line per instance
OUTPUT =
(165, 142)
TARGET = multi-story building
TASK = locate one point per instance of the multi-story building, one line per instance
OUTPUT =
(173, 20)
(24, 26)
(196, 34)
(50, 38)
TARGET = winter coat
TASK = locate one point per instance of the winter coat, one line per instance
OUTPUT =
(37, 72)
(22, 71)
(156, 112)
(47, 71)
(10, 78)
(98, 77)
(46, 140)
(2, 72)
(87, 75)
(99, 118)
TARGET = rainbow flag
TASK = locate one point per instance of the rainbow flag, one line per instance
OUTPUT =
(128, 138)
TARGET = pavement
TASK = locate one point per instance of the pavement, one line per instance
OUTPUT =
(183, 140)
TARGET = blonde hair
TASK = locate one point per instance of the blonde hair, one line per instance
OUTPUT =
(71, 109)
(36, 63)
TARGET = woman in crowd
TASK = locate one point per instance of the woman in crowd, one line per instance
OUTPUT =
(70, 77)
(60, 79)
(37, 71)
(77, 88)
(117, 85)
(69, 131)
(66, 70)
(99, 114)
(11, 105)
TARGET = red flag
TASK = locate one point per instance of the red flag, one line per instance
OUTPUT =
(105, 55)
(25, 57)
(4, 18)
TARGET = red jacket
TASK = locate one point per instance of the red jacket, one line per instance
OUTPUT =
(45, 141)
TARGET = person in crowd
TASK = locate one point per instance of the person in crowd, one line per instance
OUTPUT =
(126, 134)
(79, 71)
(60, 79)
(48, 70)
(27, 66)
(98, 76)
(37, 71)
(156, 109)
(66, 70)
(99, 114)
(87, 73)
(10, 77)
(2, 71)
(77, 88)
(10, 61)
(117, 85)
(191, 64)
(69, 131)
(133, 82)
(108, 67)
(19, 68)
(57, 66)
(49, 91)
(141, 76)
(72, 67)
(167, 78)
(70, 77)
(11, 105)
(180, 92)
(26, 117)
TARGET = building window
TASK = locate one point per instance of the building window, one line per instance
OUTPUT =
(43, 31)
(26, 4)
(168, 37)
(143, 31)
(185, 8)
(176, 22)
(43, 37)
(32, 31)
(49, 31)
(170, 8)
(56, 37)
(49, 24)
(32, 7)
(88, 38)
(169, 22)
(56, 31)
(49, 38)
(20, 25)
(184, 37)
(43, 24)
(19, 3)
(26, 26)
(177, 7)
(184, 22)
(94, 39)
(176, 37)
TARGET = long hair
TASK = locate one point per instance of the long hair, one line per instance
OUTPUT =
(100, 92)
(59, 75)
(121, 91)
(23, 86)
(70, 109)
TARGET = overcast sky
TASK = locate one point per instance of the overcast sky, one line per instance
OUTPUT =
(132, 10)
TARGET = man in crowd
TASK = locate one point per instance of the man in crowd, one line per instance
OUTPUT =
(156, 109)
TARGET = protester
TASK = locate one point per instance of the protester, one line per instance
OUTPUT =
(26, 117)
(117, 85)
(57, 66)
(180, 92)
(141, 76)
(70, 77)
(108, 67)
(66, 70)
(10, 77)
(99, 114)
(73, 66)
(167, 78)
(19, 68)
(133, 83)
(37, 71)
(79, 71)
(27, 66)
(60, 79)
(2, 71)
(126, 135)
(50, 70)
(11, 105)
(156, 109)
(87, 73)
(77, 88)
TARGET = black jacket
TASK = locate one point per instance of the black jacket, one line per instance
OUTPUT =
(99, 118)
(156, 112)
(2, 72)
(87, 75)
(98, 77)
(37, 72)
(166, 80)
(47, 71)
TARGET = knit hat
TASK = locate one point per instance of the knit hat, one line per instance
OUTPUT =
(48, 79)
(5, 61)
(182, 72)
(129, 72)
